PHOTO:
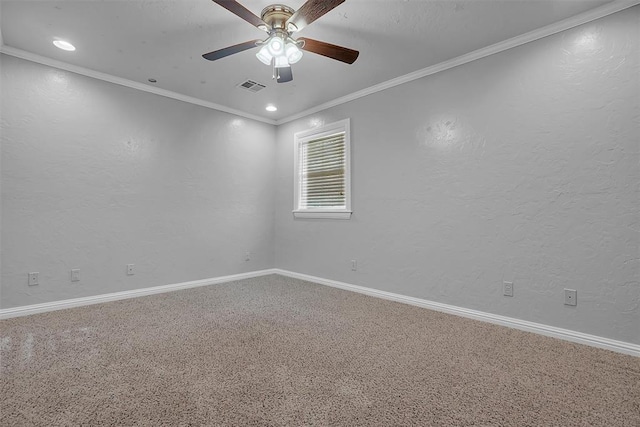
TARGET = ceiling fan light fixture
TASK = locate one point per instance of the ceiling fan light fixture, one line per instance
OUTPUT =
(281, 62)
(264, 55)
(294, 54)
(275, 45)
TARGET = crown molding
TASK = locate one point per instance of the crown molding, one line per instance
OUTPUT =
(23, 54)
(557, 27)
(1, 39)
(566, 24)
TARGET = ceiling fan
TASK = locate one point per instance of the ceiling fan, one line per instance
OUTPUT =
(280, 49)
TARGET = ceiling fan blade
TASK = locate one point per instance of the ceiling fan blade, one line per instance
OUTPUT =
(284, 74)
(310, 11)
(330, 50)
(242, 12)
(221, 53)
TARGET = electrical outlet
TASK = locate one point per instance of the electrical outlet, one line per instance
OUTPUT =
(34, 279)
(507, 289)
(130, 270)
(354, 265)
(247, 256)
(75, 275)
(570, 297)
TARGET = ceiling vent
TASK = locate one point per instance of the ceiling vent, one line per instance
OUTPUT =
(251, 86)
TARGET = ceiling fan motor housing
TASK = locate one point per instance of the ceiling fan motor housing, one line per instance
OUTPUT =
(276, 16)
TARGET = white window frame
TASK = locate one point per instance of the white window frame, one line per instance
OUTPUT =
(305, 136)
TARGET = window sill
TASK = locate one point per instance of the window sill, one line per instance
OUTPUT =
(322, 214)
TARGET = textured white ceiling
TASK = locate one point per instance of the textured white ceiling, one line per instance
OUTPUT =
(164, 40)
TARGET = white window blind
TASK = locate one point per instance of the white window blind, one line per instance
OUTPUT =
(322, 177)
(322, 166)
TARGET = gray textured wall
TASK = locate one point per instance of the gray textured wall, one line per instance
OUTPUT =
(522, 166)
(96, 176)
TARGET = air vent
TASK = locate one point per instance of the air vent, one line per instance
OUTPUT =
(251, 86)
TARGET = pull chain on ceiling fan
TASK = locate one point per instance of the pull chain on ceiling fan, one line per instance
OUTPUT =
(280, 49)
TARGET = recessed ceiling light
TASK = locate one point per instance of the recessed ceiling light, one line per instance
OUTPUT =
(61, 44)
(271, 108)
(152, 80)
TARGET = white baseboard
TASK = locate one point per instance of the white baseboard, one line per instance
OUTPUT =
(97, 299)
(538, 328)
(551, 331)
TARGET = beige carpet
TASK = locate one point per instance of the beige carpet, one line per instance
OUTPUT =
(274, 351)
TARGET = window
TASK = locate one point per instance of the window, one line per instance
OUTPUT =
(322, 173)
